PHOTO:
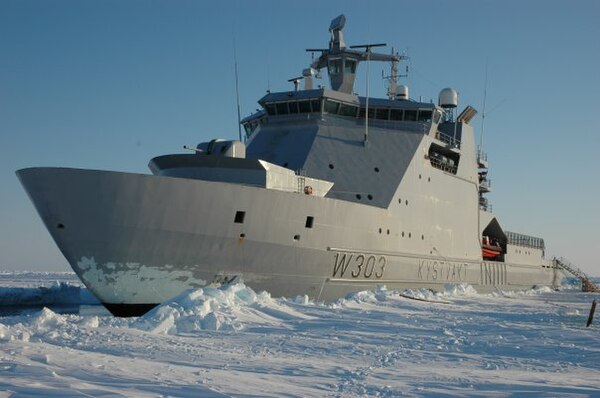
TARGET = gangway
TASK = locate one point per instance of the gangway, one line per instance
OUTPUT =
(587, 285)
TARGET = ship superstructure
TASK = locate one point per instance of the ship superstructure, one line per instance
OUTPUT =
(331, 192)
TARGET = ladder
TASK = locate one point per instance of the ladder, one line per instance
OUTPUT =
(587, 285)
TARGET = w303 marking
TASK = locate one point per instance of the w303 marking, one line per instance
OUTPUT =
(358, 265)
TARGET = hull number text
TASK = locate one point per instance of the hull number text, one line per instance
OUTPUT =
(358, 265)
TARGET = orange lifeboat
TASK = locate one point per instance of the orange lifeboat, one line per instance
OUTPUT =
(489, 251)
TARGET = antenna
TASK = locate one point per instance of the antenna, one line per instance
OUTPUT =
(237, 90)
(367, 48)
(483, 111)
(392, 78)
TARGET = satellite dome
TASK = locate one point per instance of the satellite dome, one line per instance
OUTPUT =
(402, 92)
(448, 98)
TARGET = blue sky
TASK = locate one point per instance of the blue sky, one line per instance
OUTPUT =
(110, 84)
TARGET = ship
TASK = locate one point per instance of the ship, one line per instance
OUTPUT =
(325, 193)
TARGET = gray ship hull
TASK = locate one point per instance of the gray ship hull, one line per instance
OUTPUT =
(137, 240)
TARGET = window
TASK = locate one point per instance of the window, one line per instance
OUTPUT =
(270, 109)
(381, 114)
(239, 217)
(282, 108)
(348, 110)
(309, 221)
(316, 105)
(396, 114)
(410, 115)
(304, 106)
(335, 66)
(331, 107)
(350, 66)
(293, 107)
(424, 116)
(361, 114)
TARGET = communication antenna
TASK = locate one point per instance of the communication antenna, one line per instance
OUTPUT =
(483, 111)
(237, 90)
(367, 48)
(392, 78)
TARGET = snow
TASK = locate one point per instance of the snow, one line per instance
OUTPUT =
(232, 341)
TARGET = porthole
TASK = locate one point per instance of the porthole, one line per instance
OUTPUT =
(60, 226)
(242, 236)
(428, 179)
(400, 200)
(379, 230)
(370, 197)
(419, 176)
(403, 234)
(376, 169)
(422, 237)
(388, 231)
(406, 202)
(296, 237)
(358, 196)
(409, 235)
(330, 166)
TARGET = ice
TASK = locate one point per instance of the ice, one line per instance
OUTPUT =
(232, 341)
(59, 293)
(232, 307)
(43, 289)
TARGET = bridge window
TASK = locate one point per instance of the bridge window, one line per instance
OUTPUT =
(304, 106)
(424, 116)
(316, 105)
(348, 110)
(293, 107)
(410, 115)
(270, 109)
(396, 114)
(282, 108)
(331, 107)
(371, 113)
(381, 114)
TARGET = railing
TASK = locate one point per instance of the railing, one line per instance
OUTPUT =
(487, 184)
(524, 240)
(587, 285)
(453, 142)
(485, 205)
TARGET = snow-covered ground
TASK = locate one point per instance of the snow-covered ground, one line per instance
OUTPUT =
(233, 341)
